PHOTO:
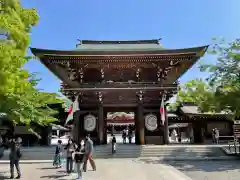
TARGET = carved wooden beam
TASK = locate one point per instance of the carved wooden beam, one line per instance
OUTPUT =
(72, 72)
(102, 73)
(140, 96)
(159, 74)
(172, 63)
(100, 97)
(138, 74)
(81, 74)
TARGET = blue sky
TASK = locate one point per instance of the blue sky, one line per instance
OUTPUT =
(181, 24)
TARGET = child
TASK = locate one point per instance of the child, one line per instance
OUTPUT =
(78, 158)
(58, 155)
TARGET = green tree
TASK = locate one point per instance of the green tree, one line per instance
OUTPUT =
(19, 98)
(225, 75)
(221, 90)
(199, 92)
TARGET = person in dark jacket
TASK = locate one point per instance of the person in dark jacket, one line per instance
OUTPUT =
(78, 158)
(130, 136)
(114, 141)
(124, 136)
(213, 136)
(14, 157)
(2, 147)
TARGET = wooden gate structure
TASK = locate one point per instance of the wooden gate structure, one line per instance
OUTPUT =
(130, 76)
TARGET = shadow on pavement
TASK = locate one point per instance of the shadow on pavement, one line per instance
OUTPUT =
(3, 175)
(204, 165)
(45, 168)
(196, 165)
(54, 176)
(61, 171)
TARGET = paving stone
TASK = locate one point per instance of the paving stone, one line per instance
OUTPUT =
(209, 170)
(108, 169)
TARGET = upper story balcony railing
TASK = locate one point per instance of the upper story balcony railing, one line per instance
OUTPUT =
(110, 85)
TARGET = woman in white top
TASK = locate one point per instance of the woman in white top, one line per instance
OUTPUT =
(78, 156)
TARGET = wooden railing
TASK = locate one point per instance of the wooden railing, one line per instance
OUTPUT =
(122, 85)
(233, 145)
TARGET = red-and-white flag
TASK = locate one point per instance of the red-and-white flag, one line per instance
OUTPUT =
(74, 107)
(162, 112)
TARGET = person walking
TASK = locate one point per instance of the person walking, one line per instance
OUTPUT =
(130, 135)
(14, 157)
(216, 135)
(88, 154)
(124, 136)
(2, 147)
(70, 148)
(213, 136)
(78, 158)
(114, 141)
(58, 155)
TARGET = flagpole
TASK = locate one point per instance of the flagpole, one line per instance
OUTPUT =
(166, 129)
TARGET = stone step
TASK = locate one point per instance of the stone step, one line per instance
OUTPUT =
(130, 151)
(139, 151)
(118, 155)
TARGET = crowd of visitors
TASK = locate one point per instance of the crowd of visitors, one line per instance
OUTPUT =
(77, 154)
(127, 134)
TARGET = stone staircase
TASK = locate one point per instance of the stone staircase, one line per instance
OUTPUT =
(133, 151)
(167, 152)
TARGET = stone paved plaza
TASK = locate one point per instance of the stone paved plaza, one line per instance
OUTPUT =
(203, 170)
(143, 169)
(117, 169)
(209, 170)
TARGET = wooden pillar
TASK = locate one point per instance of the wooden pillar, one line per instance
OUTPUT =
(139, 121)
(137, 137)
(100, 139)
(76, 128)
(141, 124)
(105, 128)
(166, 129)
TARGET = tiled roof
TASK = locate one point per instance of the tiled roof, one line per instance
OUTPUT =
(192, 109)
(178, 125)
(140, 45)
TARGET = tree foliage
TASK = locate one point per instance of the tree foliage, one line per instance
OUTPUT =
(19, 98)
(225, 75)
(221, 90)
(199, 92)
